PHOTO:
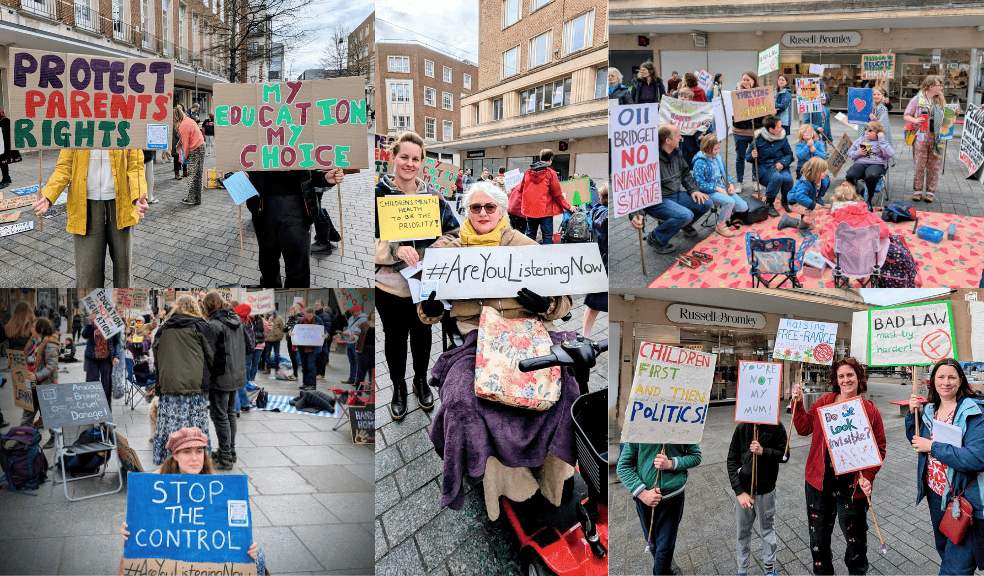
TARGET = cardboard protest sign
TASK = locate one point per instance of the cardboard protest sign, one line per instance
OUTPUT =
(808, 95)
(440, 175)
(141, 297)
(753, 103)
(17, 364)
(723, 111)
(511, 179)
(60, 100)
(860, 103)
(239, 188)
(668, 402)
(29, 190)
(349, 297)
(313, 124)
(768, 60)
(408, 217)
(911, 334)
(16, 202)
(11, 217)
(362, 421)
(169, 296)
(578, 191)
(128, 456)
(759, 389)
(12, 229)
(972, 140)
(949, 121)
(837, 157)
(704, 80)
(501, 271)
(805, 341)
(308, 335)
(848, 435)
(123, 297)
(107, 318)
(383, 155)
(877, 66)
(260, 301)
(187, 524)
(634, 138)
(689, 116)
(77, 404)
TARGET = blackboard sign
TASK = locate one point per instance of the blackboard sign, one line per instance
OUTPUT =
(362, 419)
(73, 404)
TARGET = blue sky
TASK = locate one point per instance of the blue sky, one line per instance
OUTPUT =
(320, 15)
(890, 296)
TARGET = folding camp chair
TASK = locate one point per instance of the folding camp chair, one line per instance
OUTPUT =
(774, 258)
(881, 187)
(364, 393)
(133, 389)
(108, 444)
(860, 255)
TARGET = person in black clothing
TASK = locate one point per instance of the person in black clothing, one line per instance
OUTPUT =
(208, 129)
(282, 217)
(77, 323)
(8, 155)
(68, 351)
(647, 87)
(322, 360)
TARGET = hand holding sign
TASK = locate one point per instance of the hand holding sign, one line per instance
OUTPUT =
(141, 205)
(41, 206)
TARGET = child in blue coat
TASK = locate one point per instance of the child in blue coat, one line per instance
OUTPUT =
(809, 144)
(805, 195)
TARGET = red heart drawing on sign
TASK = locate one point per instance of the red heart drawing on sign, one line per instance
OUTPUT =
(859, 104)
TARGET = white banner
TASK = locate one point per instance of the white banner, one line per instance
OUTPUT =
(634, 138)
(759, 387)
(107, 318)
(805, 341)
(512, 179)
(972, 140)
(687, 115)
(668, 401)
(261, 301)
(501, 271)
(849, 437)
(910, 335)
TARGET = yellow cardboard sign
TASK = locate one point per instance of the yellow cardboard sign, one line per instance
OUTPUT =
(408, 217)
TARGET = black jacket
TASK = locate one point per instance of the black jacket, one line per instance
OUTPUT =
(229, 364)
(622, 93)
(288, 183)
(674, 172)
(637, 85)
(184, 351)
(773, 441)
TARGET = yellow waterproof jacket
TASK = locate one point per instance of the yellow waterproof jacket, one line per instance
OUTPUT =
(72, 170)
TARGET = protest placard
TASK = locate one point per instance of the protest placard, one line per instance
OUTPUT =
(633, 134)
(141, 297)
(860, 103)
(759, 389)
(511, 179)
(169, 296)
(768, 60)
(384, 155)
(17, 364)
(949, 121)
(128, 456)
(704, 80)
(848, 435)
(972, 140)
(107, 318)
(348, 297)
(723, 112)
(668, 402)
(313, 124)
(27, 190)
(11, 217)
(12, 229)
(501, 271)
(837, 157)
(808, 95)
(910, 334)
(753, 103)
(239, 188)
(816, 68)
(73, 404)
(877, 66)
(408, 217)
(187, 524)
(123, 297)
(60, 100)
(260, 301)
(440, 175)
(308, 335)
(805, 341)
(16, 202)
(362, 421)
(687, 115)
(578, 191)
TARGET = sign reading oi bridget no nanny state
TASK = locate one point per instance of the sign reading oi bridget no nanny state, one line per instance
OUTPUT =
(668, 402)
(633, 133)
(910, 335)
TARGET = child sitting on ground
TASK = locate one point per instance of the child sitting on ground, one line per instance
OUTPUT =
(804, 198)
(848, 206)
(68, 351)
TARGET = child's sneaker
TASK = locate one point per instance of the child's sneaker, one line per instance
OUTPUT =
(773, 573)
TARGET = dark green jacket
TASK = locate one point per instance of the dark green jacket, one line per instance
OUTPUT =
(183, 352)
(229, 367)
(637, 472)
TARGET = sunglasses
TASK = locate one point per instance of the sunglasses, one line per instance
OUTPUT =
(489, 208)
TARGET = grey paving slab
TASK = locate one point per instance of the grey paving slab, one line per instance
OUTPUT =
(278, 480)
(344, 549)
(292, 509)
(31, 556)
(285, 551)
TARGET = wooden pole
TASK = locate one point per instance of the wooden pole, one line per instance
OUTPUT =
(240, 230)
(755, 147)
(943, 169)
(341, 223)
(40, 186)
(642, 251)
(884, 549)
(754, 461)
(649, 537)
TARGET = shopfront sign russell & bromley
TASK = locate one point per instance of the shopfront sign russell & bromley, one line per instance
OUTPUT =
(821, 39)
(687, 314)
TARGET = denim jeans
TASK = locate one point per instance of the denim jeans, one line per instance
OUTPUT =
(353, 358)
(955, 558)
(308, 362)
(242, 400)
(729, 204)
(273, 351)
(822, 508)
(254, 365)
(676, 211)
(774, 180)
(741, 146)
(668, 513)
(544, 224)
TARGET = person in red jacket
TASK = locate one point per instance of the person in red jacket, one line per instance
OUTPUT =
(690, 80)
(542, 198)
(827, 494)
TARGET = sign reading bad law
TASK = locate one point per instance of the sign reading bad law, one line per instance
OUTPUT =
(805, 341)
(633, 133)
(60, 100)
(910, 335)
(668, 402)
(187, 524)
(316, 124)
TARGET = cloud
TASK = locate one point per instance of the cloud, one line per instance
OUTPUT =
(450, 27)
(892, 296)
(320, 15)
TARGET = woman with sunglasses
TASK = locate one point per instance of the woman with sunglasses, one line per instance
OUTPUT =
(871, 154)
(924, 115)
(393, 301)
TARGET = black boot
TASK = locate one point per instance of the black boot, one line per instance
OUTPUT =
(398, 406)
(424, 395)
(784, 201)
(773, 213)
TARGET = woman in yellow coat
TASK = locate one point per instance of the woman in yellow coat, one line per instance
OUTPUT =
(107, 195)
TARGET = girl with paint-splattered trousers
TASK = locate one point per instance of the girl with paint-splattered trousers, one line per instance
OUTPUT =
(837, 500)
(927, 166)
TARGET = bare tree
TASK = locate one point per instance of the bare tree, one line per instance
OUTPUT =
(345, 56)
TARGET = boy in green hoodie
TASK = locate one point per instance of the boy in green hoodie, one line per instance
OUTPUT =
(656, 474)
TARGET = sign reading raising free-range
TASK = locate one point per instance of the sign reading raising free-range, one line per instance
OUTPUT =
(501, 271)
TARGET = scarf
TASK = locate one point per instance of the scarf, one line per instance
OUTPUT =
(470, 237)
(935, 120)
(102, 346)
(769, 136)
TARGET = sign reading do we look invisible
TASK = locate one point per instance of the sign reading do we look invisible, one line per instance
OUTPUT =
(805, 341)
(848, 435)
(316, 124)
(633, 132)
(501, 271)
(910, 335)
(107, 318)
(668, 402)
(187, 524)
(60, 100)
(408, 217)
(759, 387)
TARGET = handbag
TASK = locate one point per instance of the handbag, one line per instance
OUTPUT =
(502, 343)
(956, 528)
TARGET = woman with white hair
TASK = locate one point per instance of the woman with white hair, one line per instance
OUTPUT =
(468, 433)
(617, 90)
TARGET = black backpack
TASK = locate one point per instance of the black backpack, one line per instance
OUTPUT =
(86, 463)
(577, 229)
(262, 398)
(21, 458)
(758, 211)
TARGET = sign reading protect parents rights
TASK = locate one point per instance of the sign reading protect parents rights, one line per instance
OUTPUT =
(315, 124)
(668, 402)
(910, 335)
(60, 100)
(633, 133)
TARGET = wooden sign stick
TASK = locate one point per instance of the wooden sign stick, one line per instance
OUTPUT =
(649, 537)
(40, 186)
(884, 549)
(754, 461)
(642, 251)
(341, 224)
(755, 147)
(240, 230)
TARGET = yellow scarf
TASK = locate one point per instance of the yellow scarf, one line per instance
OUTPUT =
(469, 237)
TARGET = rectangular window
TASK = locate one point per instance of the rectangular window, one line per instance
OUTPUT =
(401, 122)
(510, 12)
(550, 95)
(478, 116)
(510, 62)
(430, 128)
(430, 96)
(537, 4)
(601, 83)
(399, 92)
(428, 68)
(497, 109)
(121, 20)
(540, 50)
(447, 74)
(398, 64)
(448, 131)
(467, 81)
(577, 33)
(165, 27)
(447, 101)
